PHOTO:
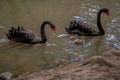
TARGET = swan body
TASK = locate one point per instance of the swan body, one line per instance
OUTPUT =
(23, 35)
(83, 29)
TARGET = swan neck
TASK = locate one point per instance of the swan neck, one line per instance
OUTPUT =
(42, 32)
(99, 23)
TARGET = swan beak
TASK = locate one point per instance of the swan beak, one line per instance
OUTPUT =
(108, 13)
(54, 29)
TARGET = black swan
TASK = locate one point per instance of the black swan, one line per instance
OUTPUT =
(83, 29)
(20, 34)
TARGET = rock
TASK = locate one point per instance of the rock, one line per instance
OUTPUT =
(5, 75)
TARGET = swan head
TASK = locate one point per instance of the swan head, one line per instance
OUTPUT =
(53, 27)
(106, 11)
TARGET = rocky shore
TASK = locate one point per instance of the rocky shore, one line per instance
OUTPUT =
(103, 67)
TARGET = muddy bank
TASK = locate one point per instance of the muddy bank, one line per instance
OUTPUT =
(104, 67)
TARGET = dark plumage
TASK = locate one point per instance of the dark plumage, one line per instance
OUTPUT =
(83, 29)
(23, 35)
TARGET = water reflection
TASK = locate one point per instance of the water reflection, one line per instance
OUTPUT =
(19, 58)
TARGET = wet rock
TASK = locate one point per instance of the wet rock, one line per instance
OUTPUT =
(5, 76)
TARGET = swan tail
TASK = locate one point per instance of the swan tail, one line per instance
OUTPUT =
(13, 33)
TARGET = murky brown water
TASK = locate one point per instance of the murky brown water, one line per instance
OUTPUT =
(19, 58)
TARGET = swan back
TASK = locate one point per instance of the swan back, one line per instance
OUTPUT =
(20, 34)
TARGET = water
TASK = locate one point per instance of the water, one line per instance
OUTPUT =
(20, 58)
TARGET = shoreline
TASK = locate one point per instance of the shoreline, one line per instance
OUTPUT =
(102, 67)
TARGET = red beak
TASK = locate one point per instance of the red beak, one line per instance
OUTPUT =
(108, 13)
(54, 29)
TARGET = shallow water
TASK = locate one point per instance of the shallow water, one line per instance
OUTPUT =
(20, 58)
